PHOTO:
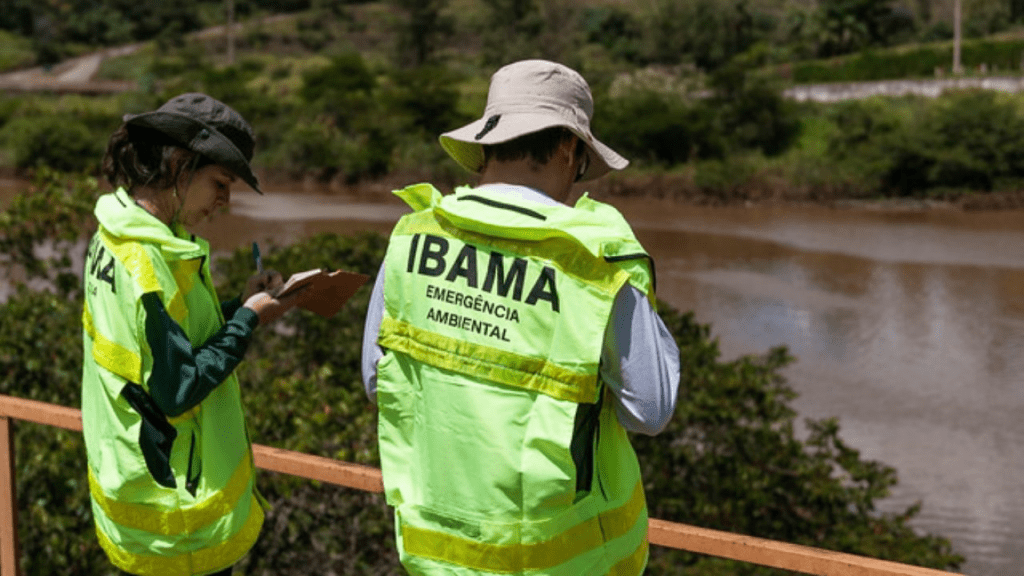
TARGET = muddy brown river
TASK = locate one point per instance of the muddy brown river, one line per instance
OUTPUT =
(907, 325)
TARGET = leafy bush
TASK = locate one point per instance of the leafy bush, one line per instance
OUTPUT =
(40, 360)
(617, 29)
(708, 33)
(854, 146)
(60, 141)
(668, 128)
(752, 112)
(661, 128)
(59, 29)
(969, 141)
(726, 178)
(15, 51)
(309, 147)
(426, 98)
(343, 87)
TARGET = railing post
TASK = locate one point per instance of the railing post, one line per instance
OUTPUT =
(9, 553)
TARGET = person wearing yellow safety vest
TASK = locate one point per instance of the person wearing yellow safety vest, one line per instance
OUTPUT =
(170, 466)
(511, 342)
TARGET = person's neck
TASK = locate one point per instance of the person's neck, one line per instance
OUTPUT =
(550, 178)
(160, 203)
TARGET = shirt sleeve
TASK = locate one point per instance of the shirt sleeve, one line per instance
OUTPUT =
(184, 376)
(640, 364)
(229, 307)
(372, 352)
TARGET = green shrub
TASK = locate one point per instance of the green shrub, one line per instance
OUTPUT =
(15, 51)
(968, 141)
(309, 147)
(726, 178)
(708, 33)
(318, 148)
(855, 149)
(60, 141)
(342, 87)
(346, 126)
(664, 127)
(752, 113)
(660, 128)
(427, 100)
(617, 29)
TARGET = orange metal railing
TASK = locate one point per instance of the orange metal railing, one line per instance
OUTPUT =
(661, 533)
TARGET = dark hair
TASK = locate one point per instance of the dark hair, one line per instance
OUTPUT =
(538, 146)
(140, 156)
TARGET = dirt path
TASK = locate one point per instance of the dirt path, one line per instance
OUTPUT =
(78, 75)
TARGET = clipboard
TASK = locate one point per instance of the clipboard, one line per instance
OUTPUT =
(327, 290)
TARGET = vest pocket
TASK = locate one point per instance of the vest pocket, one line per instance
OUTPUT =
(156, 434)
(584, 445)
(195, 468)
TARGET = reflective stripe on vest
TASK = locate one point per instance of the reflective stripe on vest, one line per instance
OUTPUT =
(176, 521)
(203, 560)
(135, 259)
(531, 556)
(113, 356)
(493, 364)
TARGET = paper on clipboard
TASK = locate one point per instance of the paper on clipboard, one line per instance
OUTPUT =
(326, 292)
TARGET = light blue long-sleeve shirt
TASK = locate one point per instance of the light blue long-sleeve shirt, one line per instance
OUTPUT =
(639, 359)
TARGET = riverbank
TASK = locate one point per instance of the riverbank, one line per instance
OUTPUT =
(677, 187)
(680, 186)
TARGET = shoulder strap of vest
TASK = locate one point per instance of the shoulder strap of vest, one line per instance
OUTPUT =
(419, 196)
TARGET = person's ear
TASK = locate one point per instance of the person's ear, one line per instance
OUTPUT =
(583, 158)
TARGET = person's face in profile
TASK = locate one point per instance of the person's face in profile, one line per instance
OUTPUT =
(208, 189)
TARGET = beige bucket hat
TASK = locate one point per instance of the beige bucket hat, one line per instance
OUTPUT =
(527, 97)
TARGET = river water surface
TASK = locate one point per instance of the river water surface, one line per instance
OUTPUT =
(907, 325)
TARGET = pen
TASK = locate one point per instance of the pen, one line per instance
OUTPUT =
(256, 257)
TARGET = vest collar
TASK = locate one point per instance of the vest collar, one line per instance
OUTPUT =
(597, 227)
(518, 192)
(122, 218)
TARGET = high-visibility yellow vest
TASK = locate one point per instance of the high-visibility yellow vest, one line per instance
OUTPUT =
(500, 448)
(153, 519)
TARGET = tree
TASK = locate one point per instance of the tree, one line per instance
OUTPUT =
(510, 31)
(707, 32)
(422, 31)
(1016, 10)
(845, 26)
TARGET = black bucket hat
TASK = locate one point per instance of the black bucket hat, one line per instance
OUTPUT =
(205, 125)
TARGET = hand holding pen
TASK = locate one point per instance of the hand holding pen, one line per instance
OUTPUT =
(264, 280)
(261, 292)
